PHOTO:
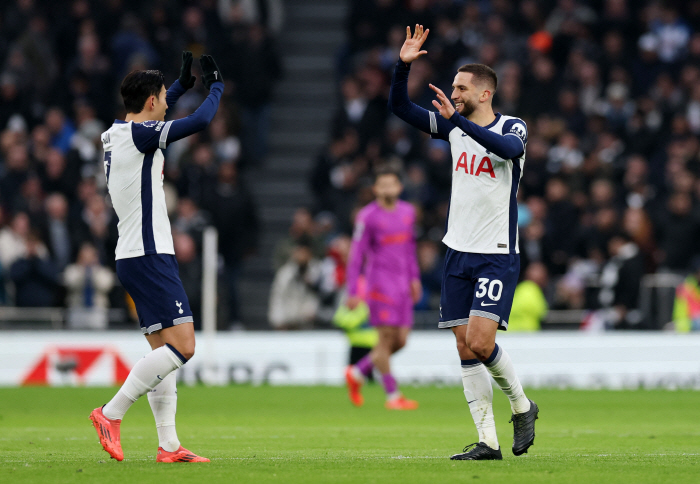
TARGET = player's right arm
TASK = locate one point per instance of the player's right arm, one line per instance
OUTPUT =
(360, 247)
(399, 102)
(150, 136)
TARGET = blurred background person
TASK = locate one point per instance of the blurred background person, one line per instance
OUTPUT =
(529, 303)
(294, 299)
(686, 307)
(88, 285)
(35, 276)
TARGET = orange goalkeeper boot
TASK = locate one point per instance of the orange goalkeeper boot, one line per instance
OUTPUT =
(354, 387)
(401, 403)
(180, 455)
(108, 432)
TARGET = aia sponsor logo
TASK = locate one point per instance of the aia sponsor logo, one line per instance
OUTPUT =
(469, 166)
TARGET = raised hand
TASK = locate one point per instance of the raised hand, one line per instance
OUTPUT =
(210, 71)
(186, 77)
(443, 105)
(411, 49)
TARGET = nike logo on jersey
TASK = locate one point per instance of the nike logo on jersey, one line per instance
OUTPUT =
(468, 402)
(158, 376)
(484, 304)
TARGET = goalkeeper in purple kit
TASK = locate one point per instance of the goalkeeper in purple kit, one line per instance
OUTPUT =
(384, 250)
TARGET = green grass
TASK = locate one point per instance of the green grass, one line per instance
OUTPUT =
(292, 434)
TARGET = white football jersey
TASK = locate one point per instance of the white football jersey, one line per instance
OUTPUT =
(483, 213)
(134, 170)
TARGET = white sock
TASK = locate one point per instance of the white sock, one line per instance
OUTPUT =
(148, 372)
(501, 368)
(163, 401)
(479, 393)
(357, 374)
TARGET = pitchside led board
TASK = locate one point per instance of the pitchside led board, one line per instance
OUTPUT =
(575, 360)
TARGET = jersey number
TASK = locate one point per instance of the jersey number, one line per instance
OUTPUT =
(108, 163)
(493, 286)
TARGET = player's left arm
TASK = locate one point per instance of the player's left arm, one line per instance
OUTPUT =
(508, 145)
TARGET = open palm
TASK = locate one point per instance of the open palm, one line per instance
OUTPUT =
(411, 49)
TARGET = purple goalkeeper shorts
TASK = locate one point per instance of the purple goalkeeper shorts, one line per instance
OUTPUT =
(385, 310)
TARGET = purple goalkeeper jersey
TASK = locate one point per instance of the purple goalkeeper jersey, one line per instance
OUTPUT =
(384, 250)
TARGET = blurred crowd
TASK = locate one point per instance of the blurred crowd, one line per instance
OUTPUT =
(610, 91)
(61, 64)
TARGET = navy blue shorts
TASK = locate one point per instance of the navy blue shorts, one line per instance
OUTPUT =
(153, 282)
(478, 285)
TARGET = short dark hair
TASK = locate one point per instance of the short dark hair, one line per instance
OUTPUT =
(481, 73)
(138, 86)
(387, 169)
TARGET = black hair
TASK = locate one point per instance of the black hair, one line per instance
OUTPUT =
(138, 86)
(481, 73)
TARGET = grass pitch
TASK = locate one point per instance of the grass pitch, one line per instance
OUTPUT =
(293, 434)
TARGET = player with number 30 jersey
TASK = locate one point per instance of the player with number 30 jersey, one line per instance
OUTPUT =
(482, 263)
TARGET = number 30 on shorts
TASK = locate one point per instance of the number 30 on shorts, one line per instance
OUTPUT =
(494, 290)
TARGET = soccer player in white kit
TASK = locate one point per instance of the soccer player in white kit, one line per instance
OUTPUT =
(146, 264)
(482, 263)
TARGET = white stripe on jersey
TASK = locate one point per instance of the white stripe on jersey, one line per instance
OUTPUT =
(433, 123)
(483, 211)
(162, 141)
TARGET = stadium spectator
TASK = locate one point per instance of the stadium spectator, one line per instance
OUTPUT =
(99, 227)
(677, 233)
(190, 266)
(58, 230)
(686, 307)
(235, 216)
(255, 85)
(302, 227)
(610, 90)
(529, 302)
(620, 281)
(15, 174)
(294, 299)
(430, 264)
(13, 239)
(88, 284)
(35, 276)
(191, 220)
(60, 128)
(199, 177)
(331, 285)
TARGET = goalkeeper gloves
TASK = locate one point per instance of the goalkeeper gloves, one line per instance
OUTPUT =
(186, 77)
(210, 71)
